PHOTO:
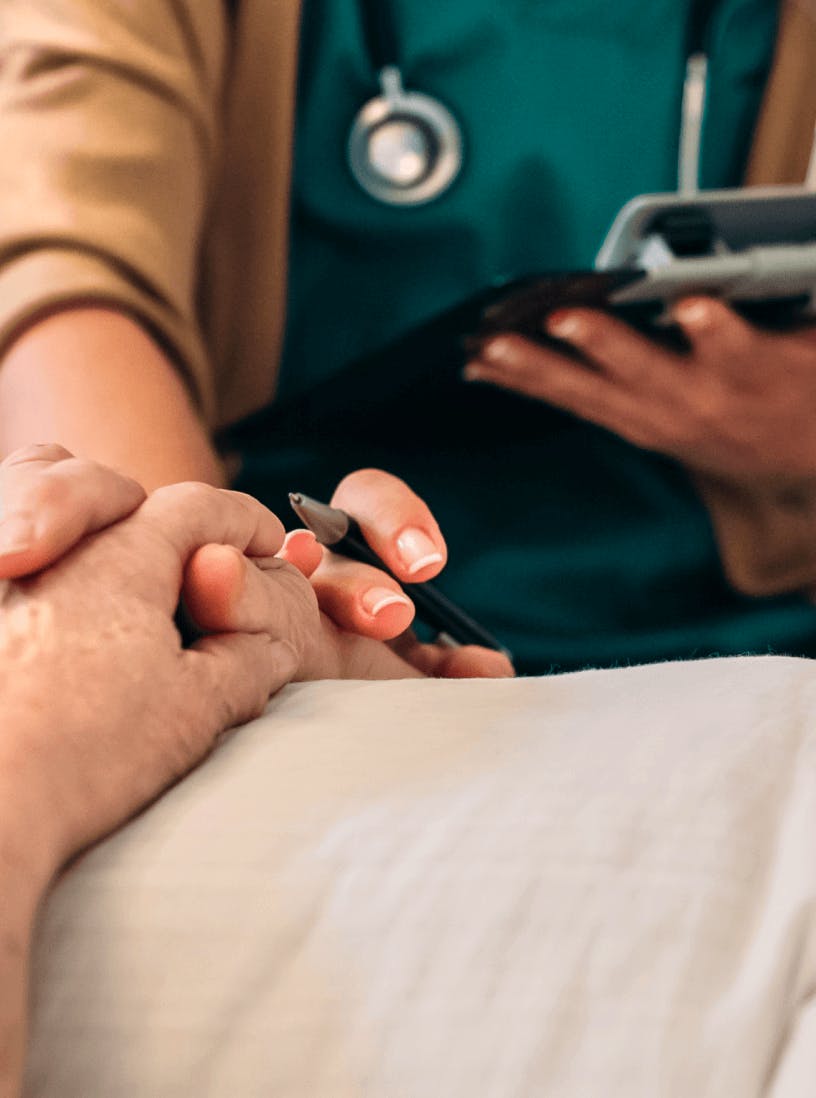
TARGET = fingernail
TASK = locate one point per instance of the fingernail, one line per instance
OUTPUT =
(472, 372)
(693, 312)
(301, 534)
(376, 599)
(417, 550)
(496, 350)
(16, 535)
(565, 325)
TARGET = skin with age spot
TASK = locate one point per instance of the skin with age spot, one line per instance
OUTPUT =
(28, 627)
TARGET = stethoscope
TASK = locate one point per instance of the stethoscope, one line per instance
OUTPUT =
(405, 148)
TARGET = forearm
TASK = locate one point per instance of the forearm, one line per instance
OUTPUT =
(14, 970)
(15, 952)
(25, 872)
(93, 380)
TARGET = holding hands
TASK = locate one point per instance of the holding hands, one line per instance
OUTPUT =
(106, 706)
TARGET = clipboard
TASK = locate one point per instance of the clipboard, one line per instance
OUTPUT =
(755, 248)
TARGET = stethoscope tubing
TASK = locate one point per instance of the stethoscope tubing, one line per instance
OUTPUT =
(440, 132)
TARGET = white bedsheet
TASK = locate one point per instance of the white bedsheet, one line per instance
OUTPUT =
(599, 884)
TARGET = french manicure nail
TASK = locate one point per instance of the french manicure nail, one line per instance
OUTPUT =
(495, 350)
(694, 312)
(16, 535)
(376, 599)
(564, 326)
(417, 550)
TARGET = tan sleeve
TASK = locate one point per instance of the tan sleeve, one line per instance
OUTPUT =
(109, 131)
(785, 128)
(767, 535)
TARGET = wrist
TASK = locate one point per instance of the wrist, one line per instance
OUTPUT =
(29, 856)
(30, 847)
(25, 872)
(765, 532)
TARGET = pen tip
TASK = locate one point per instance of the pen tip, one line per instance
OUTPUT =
(327, 523)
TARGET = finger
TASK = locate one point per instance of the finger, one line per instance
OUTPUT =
(224, 591)
(522, 366)
(191, 515)
(471, 662)
(588, 395)
(302, 549)
(50, 501)
(442, 661)
(228, 680)
(715, 331)
(361, 599)
(615, 347)
(395, 522)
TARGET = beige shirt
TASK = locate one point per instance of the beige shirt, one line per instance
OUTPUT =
(146, 151)
(146, 164)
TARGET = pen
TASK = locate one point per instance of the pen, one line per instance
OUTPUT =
(340, 533)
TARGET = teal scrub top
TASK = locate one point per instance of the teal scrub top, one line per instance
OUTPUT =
(574, 547)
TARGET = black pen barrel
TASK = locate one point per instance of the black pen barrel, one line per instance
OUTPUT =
(432, 606)
(443, 615)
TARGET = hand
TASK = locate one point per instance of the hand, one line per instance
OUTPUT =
(401, 530)
(103, 709)
(741, 405)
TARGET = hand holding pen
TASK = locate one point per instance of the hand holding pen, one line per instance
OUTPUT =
(398, 539)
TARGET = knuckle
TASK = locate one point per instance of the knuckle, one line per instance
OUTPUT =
(48, 493)
(77, 467)
(244, 499)
(189, 493)
(252, 507)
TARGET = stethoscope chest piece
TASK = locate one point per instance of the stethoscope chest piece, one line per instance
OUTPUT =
(405, 148)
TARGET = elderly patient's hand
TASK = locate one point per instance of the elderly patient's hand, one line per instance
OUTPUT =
(102, 707)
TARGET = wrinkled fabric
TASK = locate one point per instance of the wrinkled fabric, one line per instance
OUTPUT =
(601, 883)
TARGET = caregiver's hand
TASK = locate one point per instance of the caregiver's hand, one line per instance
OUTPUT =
(741, 405)
(403, 533)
